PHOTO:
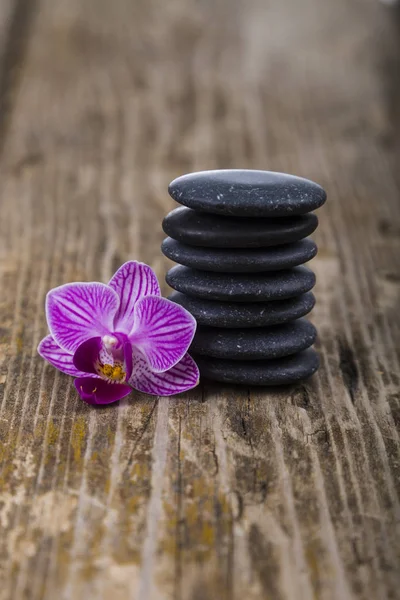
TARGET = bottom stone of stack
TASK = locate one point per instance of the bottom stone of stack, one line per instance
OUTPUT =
(278, 371)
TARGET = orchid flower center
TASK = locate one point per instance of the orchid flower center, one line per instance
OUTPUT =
(112, 371)
(110, 342)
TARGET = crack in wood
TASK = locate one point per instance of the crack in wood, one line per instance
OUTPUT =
(349, 369)
(179, 520)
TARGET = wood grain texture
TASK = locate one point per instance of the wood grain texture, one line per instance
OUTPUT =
(220, 493)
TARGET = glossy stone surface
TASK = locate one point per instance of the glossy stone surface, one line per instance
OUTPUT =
(247, 193)
(200, 229)
(279, 371)
(242, 314)
(254, 344)
(255, 287)
(240, 260)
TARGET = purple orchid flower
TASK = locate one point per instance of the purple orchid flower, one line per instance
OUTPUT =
(120, 336)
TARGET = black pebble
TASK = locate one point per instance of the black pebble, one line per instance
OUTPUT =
(240, 260)
(254, 344)
(242, 192)
(279, 371)
(257, 287)
(197, 229)
(242, 314)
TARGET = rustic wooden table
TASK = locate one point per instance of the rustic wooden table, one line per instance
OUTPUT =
(220, 493)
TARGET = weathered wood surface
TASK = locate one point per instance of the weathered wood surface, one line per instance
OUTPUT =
(220, 493)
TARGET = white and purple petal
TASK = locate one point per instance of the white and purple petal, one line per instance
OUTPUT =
(163, 332)
(57, 357)
(132, 281)
(182, 377)
(98, 391)
(79, 311)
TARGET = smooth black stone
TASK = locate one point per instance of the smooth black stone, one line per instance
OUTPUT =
(199, 229)
(246, 193)
(241, 314)
(280, 371)
(254, 344)
(240, 260)
(257, 287)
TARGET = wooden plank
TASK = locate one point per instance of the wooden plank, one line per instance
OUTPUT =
(220, 493)
(5, 18)
(6, 14)
(15, 23)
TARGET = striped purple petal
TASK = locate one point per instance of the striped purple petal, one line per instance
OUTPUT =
(163, 332)
(98, 391)
(57, 357)
(87, 355)
(79, 311)
(132, 281)
(183, 376)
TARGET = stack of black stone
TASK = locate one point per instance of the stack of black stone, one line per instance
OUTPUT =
(240, 241)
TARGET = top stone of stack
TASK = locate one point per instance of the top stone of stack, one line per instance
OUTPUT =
(247, 193)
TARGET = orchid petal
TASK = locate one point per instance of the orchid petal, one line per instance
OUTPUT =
(183, 376)
(87, 355)
(128, 362)
(79, 311)
(98, 391)
(57, 357)
(163, 332)
(131, 282)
